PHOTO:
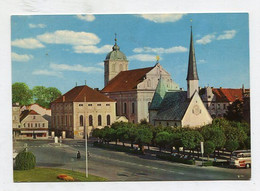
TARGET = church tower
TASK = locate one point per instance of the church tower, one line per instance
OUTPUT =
(192, 76)
(114, 63)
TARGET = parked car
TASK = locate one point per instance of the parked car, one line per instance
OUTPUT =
(241, 158)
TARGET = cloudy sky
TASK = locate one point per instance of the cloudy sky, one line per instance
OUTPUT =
(58, 51)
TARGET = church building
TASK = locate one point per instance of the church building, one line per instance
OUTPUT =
(179, 108)
(132, 90)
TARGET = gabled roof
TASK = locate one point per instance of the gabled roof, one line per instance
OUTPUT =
(158, 95)
(126, 80)
(83, 94)
(25, 113)
(227, 94)
(173, 106)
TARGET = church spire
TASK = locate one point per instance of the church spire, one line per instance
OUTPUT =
(192, 67)
(115, 47)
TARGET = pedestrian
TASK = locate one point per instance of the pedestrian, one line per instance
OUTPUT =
(78, 155)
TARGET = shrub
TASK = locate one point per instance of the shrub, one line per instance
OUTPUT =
(176, 159)
(207, 163)
(25, 161)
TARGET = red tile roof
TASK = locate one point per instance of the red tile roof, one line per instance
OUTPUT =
(126, 80)
(83, 94)
(227, 94)
(25, 113)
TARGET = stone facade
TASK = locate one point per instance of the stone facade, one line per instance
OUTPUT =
(134, 103)
(74, 116)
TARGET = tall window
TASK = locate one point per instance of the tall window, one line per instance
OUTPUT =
(81, 120)
(99, 120)
(108, 119)
(90, 119)
(124, 108)
(149, 83)
(116, 109)
(224, 106)
(133, 107)
(120, 67)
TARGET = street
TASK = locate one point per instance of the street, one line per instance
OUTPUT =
(120, 166)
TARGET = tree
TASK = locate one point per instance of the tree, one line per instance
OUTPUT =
(21, 94)
(175, 140)
(232, 145)
(191, 139)
(163, 139)
(209, 148)
(143, 136)
(235, 111)
(44, 96)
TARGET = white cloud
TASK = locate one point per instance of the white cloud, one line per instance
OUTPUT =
(47, 73)
(206, 39)
(143, 57)
(162, 18)
(93, 49)
(69, 37)
(88, 18)
(77, 68)
(201, 61)
(37, 25)
(227, 35)
(21, 57)
(174, 49)
(100, 64)
(28, 43)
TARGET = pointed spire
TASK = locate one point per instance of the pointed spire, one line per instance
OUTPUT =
(116, 47)
(192, 67)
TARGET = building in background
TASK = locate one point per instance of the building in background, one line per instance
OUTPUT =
(179, 108)
(33, 126)
(81, 110)
(132, 90)
(217, 100)
(16, 119)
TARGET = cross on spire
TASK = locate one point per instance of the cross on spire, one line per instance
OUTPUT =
(115, 38)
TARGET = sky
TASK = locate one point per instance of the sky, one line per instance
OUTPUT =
(62, 50)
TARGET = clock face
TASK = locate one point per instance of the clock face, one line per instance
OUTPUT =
(196, 110)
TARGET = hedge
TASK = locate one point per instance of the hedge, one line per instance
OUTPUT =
(176, 159)
(118, 148)
(25, 161)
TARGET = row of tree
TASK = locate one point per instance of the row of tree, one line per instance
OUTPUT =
(41, 95)
(220, 134)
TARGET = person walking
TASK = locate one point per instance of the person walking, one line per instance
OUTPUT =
(78, 155)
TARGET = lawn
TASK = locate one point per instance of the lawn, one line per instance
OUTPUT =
(50, 175)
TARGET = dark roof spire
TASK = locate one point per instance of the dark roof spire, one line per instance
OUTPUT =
(192, 67)
(115, 47)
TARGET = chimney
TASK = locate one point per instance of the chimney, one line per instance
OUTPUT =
(63, 98)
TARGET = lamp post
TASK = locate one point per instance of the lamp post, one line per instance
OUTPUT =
(86, 145)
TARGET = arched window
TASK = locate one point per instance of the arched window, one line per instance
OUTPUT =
(90, 119)
(133, 107)
(116, 109)
(81, 120)
(99, 120)
(108, 119)
(124, 108)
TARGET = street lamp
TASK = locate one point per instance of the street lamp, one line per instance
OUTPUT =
(86, 145)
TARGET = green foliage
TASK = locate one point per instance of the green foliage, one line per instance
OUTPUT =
(207, 163)
(163, 139)
(21, 94)
(191, 139)
(44, 96)
(232, 145)
(209, 147)
(143, 136)
(214, 134)
(235, 111)
(176, 159)
(25, 161)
